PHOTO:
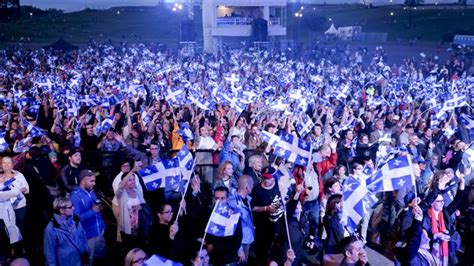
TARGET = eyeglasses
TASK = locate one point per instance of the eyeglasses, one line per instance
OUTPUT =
(67, 207)
(139, 260)
(167, 212)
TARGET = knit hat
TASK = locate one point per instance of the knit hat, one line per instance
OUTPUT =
(52, 154)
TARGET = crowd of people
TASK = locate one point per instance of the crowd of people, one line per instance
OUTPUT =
(78, 128)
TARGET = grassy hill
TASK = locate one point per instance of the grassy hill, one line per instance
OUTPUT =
(428, 23)
(130, 23)
(160, 24)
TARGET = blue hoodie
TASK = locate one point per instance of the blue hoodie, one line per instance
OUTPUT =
(91, 221)
(227, 154)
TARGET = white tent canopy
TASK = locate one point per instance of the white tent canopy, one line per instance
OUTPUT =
(332, 30)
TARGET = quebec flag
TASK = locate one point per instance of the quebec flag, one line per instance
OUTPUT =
(395, 174)
(157, 260)
(164, 174)
(223, 220)
(185, 132)
(186, 162)
(286, 181)
(305, 126)
(3, 143)
(357, 202)
(468, 122)
(268, 137)
(292, 149)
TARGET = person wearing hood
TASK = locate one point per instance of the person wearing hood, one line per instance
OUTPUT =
(232, 152)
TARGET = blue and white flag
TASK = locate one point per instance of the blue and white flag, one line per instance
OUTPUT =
(457, 100)
(431, 102)
(348, 125)
(285, 180)
(32, 130)
(232, 80)
(342, 95)
(468, 122)
(223, 220)
(105, 125)
(3, 143)
(186, 162)
(72, 109)
(22, 145)
(77, 136)
(248, 97)
(279, 105)
(268, 137)
(164, 174)
(145, 117)
(45, 84)
(201, 102)
(439, 117)
(395, 174)
(157, 260)
(305, 125)
(175, 95)
(357, 202)
(87, 100)
(233, 102)
(292, 149)
(185, 132)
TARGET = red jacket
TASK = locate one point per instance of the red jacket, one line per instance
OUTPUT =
(322, 168)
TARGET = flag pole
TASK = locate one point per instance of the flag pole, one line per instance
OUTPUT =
(286, 224)
(184, 194)
(207, 226)
(412, 176)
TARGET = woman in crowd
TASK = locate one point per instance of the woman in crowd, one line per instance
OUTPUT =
(226, 178)
(163, 240)
(333, 225)
(129, 200)
(17, 180)
(135, 257)
(9, 193)
(65, 240)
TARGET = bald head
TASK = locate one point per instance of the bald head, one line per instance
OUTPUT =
(20, 262)
(245, 184)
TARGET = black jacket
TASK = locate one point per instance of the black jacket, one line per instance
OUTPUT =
(225, 249)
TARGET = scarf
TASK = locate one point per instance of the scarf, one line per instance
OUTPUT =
(442, 228)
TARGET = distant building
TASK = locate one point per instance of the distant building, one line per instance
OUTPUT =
(9, 9)
(9, 4)
(225, 19)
